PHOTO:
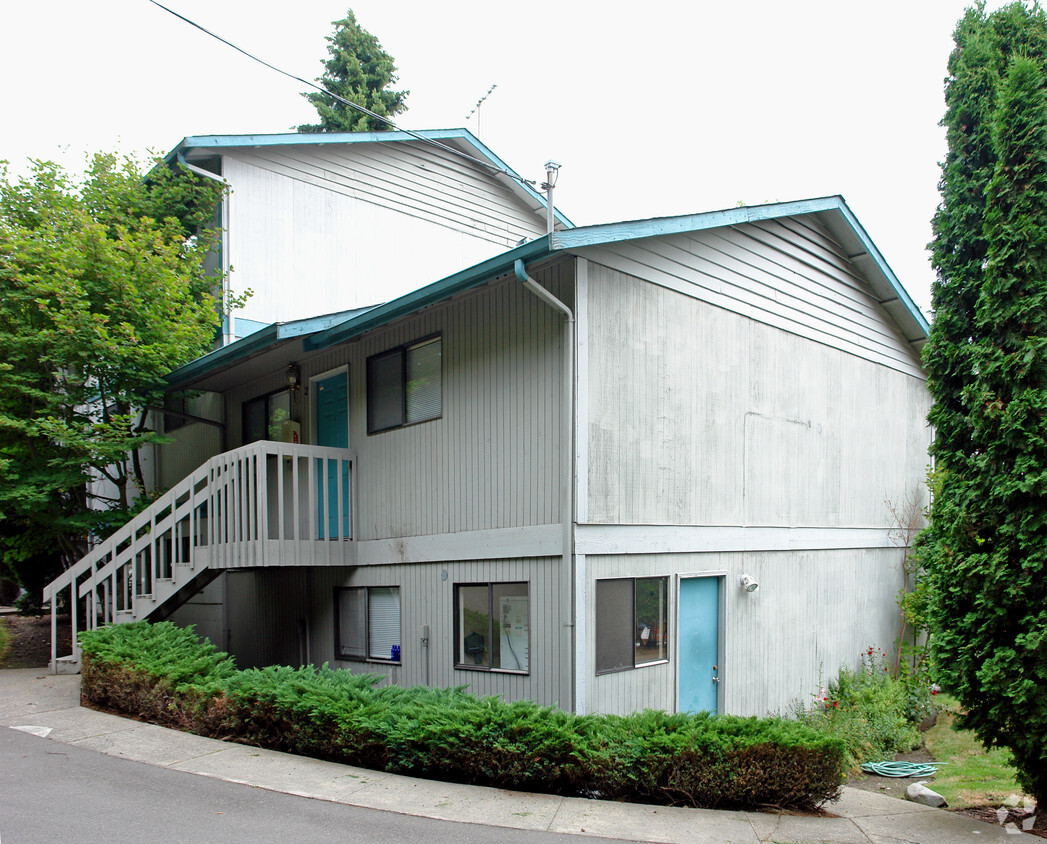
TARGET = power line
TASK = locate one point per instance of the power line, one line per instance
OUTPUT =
(349, 103)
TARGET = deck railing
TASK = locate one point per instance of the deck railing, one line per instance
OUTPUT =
(264, 504)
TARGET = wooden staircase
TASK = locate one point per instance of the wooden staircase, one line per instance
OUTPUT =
(264, 504)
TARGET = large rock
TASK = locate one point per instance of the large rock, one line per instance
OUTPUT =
(918, 792)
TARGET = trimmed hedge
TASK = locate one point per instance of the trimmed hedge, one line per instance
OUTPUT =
(164, 674)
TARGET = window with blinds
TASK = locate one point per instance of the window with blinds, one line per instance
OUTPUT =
(404, 385)
(368, 623)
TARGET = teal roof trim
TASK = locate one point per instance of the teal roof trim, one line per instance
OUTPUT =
(884, 268)
(661, 226)
(445, 288)
(829, 206)
(257, 342)
(220, 142)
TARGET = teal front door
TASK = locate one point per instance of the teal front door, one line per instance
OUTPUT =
(699, 643)
(332, 429)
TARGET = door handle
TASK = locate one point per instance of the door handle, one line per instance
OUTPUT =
(716, 674)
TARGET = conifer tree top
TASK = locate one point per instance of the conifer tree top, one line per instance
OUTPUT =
(360, 71)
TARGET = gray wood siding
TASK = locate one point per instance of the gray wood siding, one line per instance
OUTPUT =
(788, 273)
(697, 415)
(314, 229)
(814, 611)
(269, 609)
(493, 459)
(194, 442)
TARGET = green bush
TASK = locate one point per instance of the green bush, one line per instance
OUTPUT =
(165, 674)
(873, 713)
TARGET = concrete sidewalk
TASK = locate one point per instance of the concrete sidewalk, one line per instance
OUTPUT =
(34, 701)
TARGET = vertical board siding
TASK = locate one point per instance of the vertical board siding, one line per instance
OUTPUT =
(774, 641)
(318, 229)
(493, 458)
(698, 415)
(194, 442)
(268, 607)
(784, 276)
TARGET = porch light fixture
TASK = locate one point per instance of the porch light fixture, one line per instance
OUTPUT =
(293, 376)
(748, 583)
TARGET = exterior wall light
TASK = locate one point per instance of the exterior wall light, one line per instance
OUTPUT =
(293, 376)
(747, 582)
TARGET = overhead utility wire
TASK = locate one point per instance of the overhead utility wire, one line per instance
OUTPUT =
(350, 103)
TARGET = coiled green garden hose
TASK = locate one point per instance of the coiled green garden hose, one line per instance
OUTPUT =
(901, 769)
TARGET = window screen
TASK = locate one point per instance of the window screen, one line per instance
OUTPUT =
(632, 622)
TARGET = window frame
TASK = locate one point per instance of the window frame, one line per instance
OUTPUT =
(632, 628)
(401, 353)
(266, 399)
(457, 626)
(338, 644)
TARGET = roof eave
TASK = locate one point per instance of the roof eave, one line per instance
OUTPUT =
(415, 301)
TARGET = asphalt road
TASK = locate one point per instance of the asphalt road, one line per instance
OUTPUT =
(59, 792)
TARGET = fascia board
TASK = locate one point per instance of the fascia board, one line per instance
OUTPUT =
(219, 142)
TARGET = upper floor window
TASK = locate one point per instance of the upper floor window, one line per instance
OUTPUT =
(264, 417)
(404, 386)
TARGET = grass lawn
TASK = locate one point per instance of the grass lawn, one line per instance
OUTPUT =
(5, 640)
(971, 775)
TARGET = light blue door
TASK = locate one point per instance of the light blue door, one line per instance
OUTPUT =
(699, 643)
(332, 429)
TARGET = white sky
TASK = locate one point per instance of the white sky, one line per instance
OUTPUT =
(653, 108)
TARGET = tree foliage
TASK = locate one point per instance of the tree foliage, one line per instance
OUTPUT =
(360, 71)
(102, 292)
(985, 551)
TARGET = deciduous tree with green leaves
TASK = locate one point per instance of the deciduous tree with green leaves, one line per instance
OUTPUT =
(360, 71)
(985, 551)
(103, 291)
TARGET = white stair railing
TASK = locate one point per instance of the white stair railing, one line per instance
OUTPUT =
(264, 504)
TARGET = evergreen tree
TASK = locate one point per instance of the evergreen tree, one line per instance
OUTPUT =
(360, 71)
(985, 552)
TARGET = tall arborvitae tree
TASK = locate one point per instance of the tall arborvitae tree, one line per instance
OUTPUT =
(360, 71)
(985, 552)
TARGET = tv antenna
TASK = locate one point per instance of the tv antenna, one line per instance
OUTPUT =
(476, 108)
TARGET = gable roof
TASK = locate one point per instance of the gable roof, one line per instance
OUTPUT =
(332, 329)
(831, 210)
(457, 140)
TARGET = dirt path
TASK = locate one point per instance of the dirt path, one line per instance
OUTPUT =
(31, 640)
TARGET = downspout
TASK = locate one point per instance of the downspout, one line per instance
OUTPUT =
(230, 321)
(567, 503)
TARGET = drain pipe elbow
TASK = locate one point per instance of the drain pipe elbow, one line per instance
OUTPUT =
(541, 292)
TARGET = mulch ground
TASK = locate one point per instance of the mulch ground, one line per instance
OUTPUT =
(31, 640)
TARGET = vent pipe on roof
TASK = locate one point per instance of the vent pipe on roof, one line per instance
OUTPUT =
(552, 170)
